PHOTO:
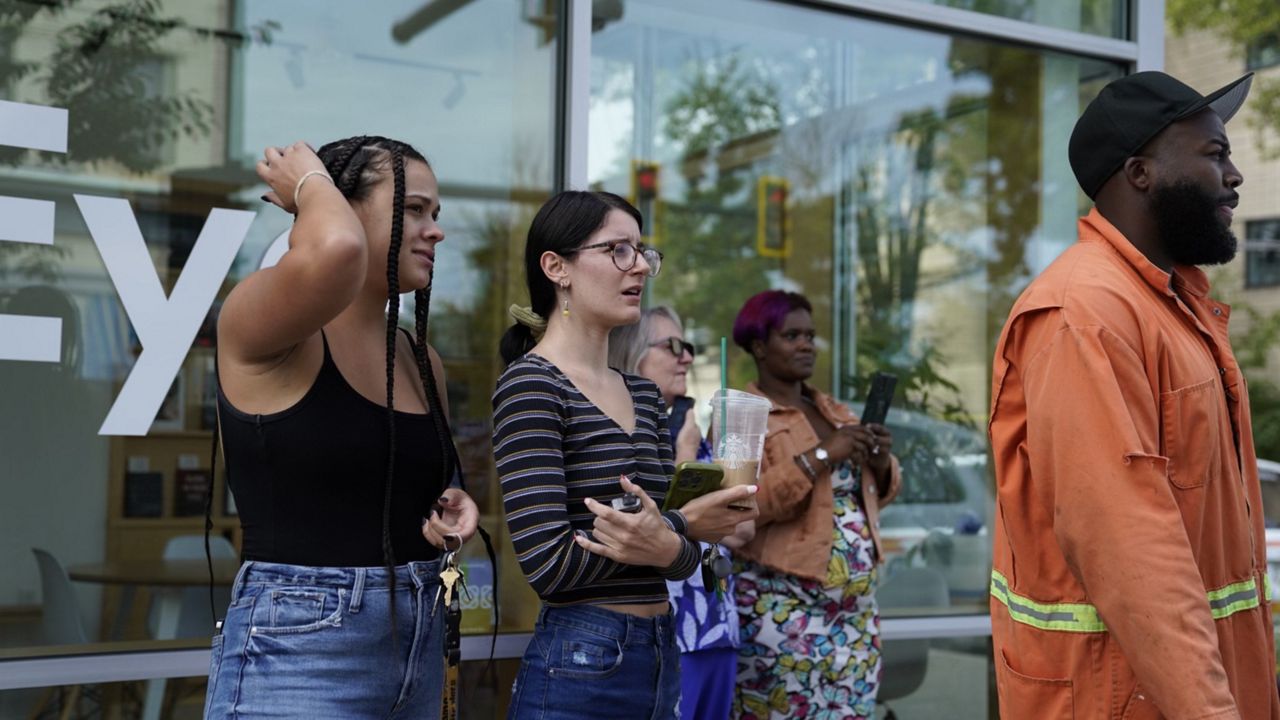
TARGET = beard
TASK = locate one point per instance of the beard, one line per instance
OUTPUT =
(1191, 230)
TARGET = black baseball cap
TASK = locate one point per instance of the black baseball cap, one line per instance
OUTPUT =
(1132, 110)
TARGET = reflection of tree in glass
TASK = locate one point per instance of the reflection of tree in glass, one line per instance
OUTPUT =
(896, 196)
(708, 237)
(107, 68)
(108, 71)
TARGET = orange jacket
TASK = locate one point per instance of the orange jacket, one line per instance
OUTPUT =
(1129, 570)
(793, 531)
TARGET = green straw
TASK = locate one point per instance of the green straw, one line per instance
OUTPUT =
(724, 390)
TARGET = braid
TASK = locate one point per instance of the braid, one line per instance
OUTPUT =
(339, 164)
(393, 315)
(422, 306)
(356, 164)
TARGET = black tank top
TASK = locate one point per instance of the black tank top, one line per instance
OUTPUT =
(308, 481)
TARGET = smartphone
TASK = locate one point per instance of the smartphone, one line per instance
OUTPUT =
(692, 479)
(879, 397)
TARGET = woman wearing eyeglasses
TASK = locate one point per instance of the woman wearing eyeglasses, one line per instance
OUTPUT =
(573, 440)
(706, 622)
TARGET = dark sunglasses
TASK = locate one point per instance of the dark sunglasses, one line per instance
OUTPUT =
(677, 346)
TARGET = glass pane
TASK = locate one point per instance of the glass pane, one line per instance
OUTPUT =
(483, 689)
(923, 180)
(170, 104)
(1262, 253)
(179, 699)
(938, 678)
(1263, 53)
(1109, 18)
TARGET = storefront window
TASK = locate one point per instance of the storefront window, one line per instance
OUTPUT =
(922, 179)
(106, 441)
(1109, 18)
(909, 183)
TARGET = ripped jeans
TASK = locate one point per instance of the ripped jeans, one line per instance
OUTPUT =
(315, 642)
(588, 662)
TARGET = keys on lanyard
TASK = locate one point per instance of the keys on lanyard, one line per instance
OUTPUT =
(715, 571)
(452, 585)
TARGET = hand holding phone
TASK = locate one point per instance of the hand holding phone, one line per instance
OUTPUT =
(692, 479)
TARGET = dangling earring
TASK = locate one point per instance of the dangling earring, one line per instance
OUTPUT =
(565, 312)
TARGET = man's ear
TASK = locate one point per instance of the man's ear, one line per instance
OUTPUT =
(554, 267)
(1139, 172)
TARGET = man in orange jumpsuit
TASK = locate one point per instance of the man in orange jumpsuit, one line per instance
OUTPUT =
(1129, 574)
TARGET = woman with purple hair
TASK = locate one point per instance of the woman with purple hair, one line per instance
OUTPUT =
(810, 628)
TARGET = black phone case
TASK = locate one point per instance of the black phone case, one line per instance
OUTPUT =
(879, 398)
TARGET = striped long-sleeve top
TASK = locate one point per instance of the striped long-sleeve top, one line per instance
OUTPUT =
(554, 448)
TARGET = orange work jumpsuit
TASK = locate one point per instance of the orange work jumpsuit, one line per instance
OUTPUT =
(1129, 571)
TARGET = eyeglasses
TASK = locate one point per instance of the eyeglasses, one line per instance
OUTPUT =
(624, 255)
(678, 346)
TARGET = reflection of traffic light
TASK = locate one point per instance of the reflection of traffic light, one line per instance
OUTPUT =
(772, 224)
(644, 181)
(644, 192)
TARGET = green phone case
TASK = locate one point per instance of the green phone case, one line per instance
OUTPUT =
(692, 479)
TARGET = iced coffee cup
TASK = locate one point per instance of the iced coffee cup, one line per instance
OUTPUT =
(739, 421)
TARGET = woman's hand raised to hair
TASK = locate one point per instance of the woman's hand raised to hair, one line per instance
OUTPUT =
(717, 514)
(283, 168)
(640, 538)
(455, 514)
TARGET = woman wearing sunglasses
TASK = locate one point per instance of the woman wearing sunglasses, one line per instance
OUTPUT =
(706, 621)
(571, 436)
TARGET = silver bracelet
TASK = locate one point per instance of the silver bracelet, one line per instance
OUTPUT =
(808, 469)
(298, 188)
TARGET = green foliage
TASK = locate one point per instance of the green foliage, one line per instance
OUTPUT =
(1252, 348)
(1242, 20)
(108, 73)
(710, 236)
(728, 118)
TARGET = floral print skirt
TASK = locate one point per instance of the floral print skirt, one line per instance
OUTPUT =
(812, 649)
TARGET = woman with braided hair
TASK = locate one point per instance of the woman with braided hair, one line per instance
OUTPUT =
(337, 447)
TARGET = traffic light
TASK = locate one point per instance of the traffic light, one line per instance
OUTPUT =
(773, 232)
(644, 181)
(644, 193)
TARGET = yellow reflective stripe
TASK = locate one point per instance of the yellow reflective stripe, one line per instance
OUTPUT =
(1233, 598)
(1068, 617)
(1083, 617)
(1266, 586)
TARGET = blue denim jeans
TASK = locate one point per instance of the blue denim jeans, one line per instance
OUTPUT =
(314, 642)
(588, 662)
